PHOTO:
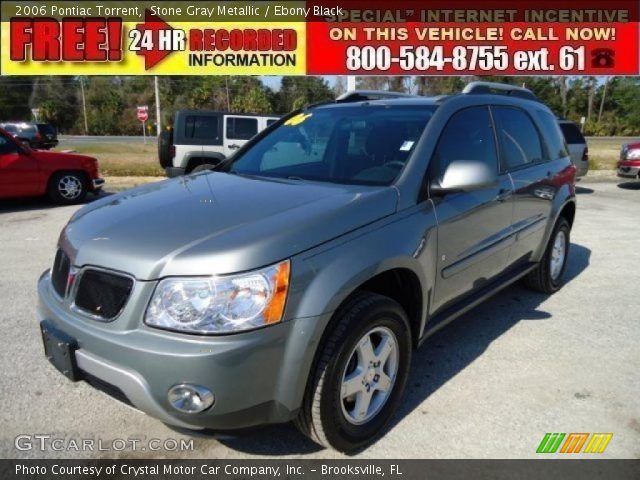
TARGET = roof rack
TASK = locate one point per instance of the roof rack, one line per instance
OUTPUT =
(483, 88)
(363, 95)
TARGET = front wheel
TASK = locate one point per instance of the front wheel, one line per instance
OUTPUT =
(360, 375)
(547, 277)
(68, 188)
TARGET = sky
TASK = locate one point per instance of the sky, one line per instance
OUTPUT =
(273, 81)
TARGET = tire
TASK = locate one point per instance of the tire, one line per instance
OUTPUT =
(68, 188)
(333, 421)
(165, 140)
(203, 167)
(546, 278)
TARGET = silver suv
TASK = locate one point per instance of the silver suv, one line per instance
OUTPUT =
(295, 281)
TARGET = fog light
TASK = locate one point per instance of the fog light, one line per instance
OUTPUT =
(189, 398)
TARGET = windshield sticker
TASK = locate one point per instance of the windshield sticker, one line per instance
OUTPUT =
(298, 119)
(406, 145)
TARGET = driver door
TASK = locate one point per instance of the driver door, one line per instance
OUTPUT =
(474, 228)
(19, 171)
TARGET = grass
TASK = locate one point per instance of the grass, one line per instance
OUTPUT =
(132, 159)
(126, 159)
(604, 152)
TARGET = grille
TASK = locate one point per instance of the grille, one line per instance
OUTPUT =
(103, 294)
(60, 272)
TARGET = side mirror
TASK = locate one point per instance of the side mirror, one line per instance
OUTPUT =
(465, 176)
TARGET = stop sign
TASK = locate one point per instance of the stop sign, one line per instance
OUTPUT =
(143, 114)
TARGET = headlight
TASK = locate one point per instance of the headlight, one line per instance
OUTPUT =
(220, 304)
(633, 154)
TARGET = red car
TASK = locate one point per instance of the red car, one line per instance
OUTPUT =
(629, 163)
(65, 177)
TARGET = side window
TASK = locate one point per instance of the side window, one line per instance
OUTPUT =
(572, 134)
(518, 137)
(271, 121)
(467, 136)
(553, 134)
(241, 128)
(7, 146)
(204, 127)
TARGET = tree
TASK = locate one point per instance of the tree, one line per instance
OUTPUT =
(14, 97)
(295, 92)
(253, 100)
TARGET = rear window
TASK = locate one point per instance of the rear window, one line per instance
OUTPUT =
(572, 133)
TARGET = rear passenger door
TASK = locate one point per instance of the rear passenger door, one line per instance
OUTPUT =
(526, 157)
(474, 228)
(237, 131)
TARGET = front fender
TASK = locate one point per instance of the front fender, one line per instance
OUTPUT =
(322, 279)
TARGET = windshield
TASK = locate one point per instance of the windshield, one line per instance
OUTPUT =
(363, 144)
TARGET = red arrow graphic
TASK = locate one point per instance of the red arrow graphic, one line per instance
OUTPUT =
(154, 24)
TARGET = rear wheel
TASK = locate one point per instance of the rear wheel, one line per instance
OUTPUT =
(360, 375)
(68, 188)
(547, 277)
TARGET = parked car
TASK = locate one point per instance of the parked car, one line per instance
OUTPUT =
(48, 136)
(629, 163)
(201, 139)
(577, 144)
(25, 172)
(295, 280)
(25, 132)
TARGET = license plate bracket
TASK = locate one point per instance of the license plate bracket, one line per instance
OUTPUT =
(59, 349)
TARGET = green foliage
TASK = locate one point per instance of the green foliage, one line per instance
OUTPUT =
(111, 101)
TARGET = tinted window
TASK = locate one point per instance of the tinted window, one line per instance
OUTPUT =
(347, 144)
(271, 121)
(572, 134)
(46, 129)
(197, 126)
(7, 146)
(10, 128)
(467, 136)
(518, 137)
(241, 128)
(553, 135)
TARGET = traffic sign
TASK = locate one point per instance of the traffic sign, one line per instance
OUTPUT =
(143, 113)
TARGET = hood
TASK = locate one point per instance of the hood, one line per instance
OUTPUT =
(216, 223)
(49, 156)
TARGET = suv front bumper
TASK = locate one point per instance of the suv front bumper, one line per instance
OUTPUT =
(252, 378)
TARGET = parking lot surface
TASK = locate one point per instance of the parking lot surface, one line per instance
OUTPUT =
(490, 385)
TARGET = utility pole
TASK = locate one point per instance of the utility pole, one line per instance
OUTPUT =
(226, 86)
(84, 107)
(351, 83)
(604, 96)
(158, 117)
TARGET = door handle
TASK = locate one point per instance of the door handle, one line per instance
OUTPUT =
(234, 146)
(503, 194)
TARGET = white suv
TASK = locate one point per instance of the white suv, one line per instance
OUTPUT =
(201, 139)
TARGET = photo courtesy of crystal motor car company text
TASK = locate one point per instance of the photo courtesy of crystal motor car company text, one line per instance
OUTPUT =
(329, 232)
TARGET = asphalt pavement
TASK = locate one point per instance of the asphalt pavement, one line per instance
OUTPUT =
(490, 385)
